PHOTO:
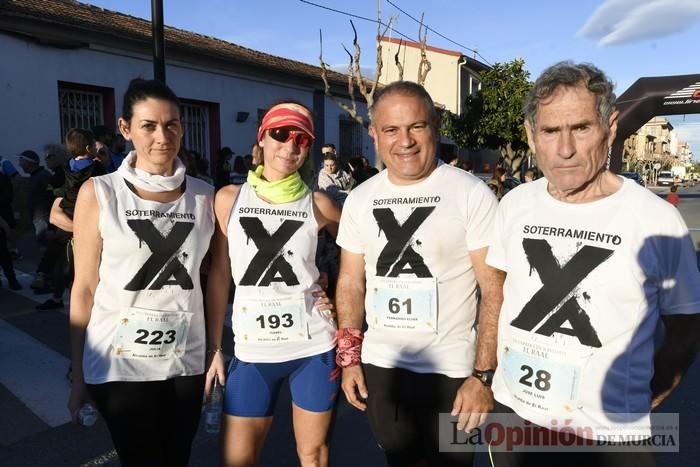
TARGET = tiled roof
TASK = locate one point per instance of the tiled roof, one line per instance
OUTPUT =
(88, 17)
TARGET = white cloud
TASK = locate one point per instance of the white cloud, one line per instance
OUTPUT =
(624, 21)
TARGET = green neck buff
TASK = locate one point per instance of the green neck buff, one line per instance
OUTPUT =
(286, 190)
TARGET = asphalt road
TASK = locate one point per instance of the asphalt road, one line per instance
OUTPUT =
(34, 426)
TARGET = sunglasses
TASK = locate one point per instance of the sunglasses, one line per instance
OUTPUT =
(300, 138)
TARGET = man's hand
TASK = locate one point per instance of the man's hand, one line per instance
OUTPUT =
(354, 386)
(472, 404)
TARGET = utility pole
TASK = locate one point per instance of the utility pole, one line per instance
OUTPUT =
(158, 40)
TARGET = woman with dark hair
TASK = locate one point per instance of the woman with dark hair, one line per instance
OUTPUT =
(266, 236)
(223, 167)
(136, 319)
(239, 174)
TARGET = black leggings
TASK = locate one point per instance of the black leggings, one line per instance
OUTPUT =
(403, 410)
(152, 423)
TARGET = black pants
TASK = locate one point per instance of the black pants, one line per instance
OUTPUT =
(152, 423)
(637, 458)
(6, 258)
(55, 250)
(403, 409)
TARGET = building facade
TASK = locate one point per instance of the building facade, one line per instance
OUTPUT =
(67, 64)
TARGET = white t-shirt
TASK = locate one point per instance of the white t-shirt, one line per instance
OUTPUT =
(586, 285)
(272, 248)
(421, 290)
(147, 321)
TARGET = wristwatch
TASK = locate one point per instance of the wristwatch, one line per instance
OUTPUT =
(485, 377)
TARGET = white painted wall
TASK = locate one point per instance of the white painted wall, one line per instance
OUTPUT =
(29, 115)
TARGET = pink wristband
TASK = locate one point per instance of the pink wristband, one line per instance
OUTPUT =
(349, 342)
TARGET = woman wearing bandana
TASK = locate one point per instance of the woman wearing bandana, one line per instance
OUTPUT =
(266, 237)
(137, 319)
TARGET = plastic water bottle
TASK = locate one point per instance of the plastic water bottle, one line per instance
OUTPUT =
(213, 409)
(87, 416)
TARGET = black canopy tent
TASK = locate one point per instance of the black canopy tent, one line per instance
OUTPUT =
(649, 97)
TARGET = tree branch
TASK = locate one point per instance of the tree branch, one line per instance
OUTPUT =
(397, 61)
(324, 76)
(424, 66)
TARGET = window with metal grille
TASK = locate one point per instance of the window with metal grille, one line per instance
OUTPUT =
(196, 127)
(350, 137)
(79, 109)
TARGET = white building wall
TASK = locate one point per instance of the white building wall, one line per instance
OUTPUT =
(29, 114)
(442, 79)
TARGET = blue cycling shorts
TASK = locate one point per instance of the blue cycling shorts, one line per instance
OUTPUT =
(252, 388)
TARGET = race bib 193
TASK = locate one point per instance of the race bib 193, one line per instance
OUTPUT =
(150, 334)
(405, 304)
(281, 319)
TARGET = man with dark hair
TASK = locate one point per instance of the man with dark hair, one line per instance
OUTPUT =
(414, 239)
(594, 263)
(38, 199)
(328, 148)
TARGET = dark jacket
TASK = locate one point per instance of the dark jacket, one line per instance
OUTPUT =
(74, 180)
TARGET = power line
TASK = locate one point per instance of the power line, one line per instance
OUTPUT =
(358, 17)
(433, 30)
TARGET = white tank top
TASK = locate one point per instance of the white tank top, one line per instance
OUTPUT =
(272, 248)
(147, 321)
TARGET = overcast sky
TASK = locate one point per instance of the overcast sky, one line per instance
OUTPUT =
(628, 39)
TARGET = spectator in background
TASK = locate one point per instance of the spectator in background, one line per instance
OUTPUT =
(333, 180)
(257, 156)
(7, 168)
(372, 171)
(672, 197)
(56, 158)
(118, 150)
(105, 139)
(496, 183)
(360, 169)
(38, 197)
(467, 166)
(6, 195)
(203, 165)
(223, 167)
(529, 176)
(84, 164)
(239, 174)
(7, 213)
(104, 155)
(328, 148)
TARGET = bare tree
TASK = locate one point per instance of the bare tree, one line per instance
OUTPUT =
(424, 66)
(355, 78)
